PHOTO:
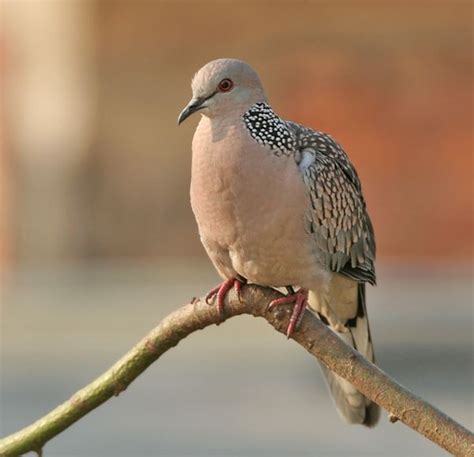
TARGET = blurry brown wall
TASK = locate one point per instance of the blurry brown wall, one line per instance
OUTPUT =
(392, 82)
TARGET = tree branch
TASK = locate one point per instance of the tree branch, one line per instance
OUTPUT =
(312, 334)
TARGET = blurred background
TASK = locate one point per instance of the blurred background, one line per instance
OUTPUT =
(98, 241)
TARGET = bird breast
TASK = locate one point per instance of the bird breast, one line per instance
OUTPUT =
(249, 201)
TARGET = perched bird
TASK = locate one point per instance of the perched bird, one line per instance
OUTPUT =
(280, 205)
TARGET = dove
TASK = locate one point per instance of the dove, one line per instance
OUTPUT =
(279, 204)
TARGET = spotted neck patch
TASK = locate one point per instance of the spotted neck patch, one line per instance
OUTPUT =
(268, 129)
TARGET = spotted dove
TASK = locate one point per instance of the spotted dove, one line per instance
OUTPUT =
(280, 205)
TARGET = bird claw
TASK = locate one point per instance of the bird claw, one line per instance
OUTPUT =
(238, 288)
(221, 291)
(212, 293)
(299, 300)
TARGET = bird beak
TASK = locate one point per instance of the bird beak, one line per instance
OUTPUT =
(194, 105)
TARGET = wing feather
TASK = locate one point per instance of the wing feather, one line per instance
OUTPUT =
(340, 224)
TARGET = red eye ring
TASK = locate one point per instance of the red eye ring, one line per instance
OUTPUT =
(225, 85)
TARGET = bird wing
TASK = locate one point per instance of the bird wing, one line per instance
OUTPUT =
(338, 221)
(338, 218)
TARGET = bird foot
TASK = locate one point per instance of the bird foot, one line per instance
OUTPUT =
(221, 291)
(299, 300)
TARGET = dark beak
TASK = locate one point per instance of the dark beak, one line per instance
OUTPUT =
(194, 105)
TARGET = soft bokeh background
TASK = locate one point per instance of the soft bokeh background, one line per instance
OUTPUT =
(98, 242)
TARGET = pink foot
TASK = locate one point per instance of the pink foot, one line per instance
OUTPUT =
(300, 300)
(220, 292)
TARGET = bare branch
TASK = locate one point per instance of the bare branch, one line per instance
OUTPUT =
(313, 335)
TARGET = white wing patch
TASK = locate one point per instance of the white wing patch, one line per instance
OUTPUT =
(307, 159)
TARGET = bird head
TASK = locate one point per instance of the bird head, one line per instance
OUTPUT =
(223, 86)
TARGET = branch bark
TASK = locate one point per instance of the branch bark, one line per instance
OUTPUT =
(312, 334)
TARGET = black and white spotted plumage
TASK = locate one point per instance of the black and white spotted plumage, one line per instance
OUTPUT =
(268, 129)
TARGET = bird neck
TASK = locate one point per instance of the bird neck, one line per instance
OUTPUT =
(268, 129)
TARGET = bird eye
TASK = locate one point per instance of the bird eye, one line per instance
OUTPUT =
(225, 85)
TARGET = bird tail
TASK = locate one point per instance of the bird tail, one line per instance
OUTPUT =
(350, 311)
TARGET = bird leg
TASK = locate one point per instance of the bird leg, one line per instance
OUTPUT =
(221, 291)
(299, 300)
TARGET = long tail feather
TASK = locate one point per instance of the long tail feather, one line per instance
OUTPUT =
(354, 407)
